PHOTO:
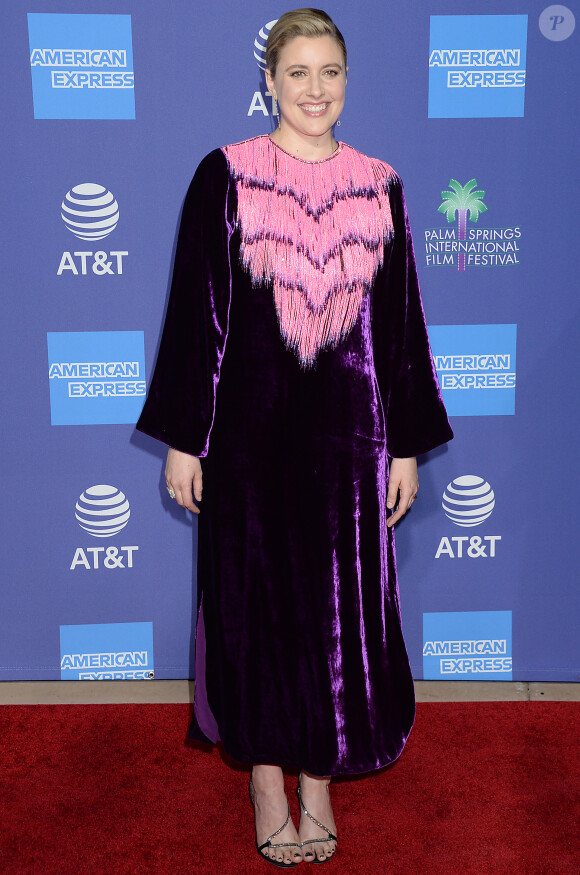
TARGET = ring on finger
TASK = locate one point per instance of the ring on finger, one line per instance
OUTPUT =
(171, 491)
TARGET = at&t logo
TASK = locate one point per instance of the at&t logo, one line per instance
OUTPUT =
(91, 213)
(263, 101)
(102, 511)
(468, 501)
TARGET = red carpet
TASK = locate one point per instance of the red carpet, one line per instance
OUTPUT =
(481, 788)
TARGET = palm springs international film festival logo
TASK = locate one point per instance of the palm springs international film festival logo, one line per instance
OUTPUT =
(459, 246)
(262, 101)
(102, 511)
(477, 66)
(81, 66)
(468, 501)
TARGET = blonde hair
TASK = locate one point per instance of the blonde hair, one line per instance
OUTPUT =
(300, 22)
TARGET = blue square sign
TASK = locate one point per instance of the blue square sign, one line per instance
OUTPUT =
(476, 366)
(82, 66)
(96, 377)
(106, 652)
(477, 66)
(467, 645)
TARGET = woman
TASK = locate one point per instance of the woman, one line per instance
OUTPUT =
(294, 361)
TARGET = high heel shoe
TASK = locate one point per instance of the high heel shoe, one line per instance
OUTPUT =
(268, 843)
(330, 837)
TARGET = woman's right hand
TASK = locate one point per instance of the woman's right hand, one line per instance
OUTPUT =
(183, 475)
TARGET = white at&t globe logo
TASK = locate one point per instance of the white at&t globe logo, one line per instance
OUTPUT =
(90, 211)
(260, 44)
(102, 511)
(468, 500)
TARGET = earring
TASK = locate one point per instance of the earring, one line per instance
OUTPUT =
(278, 116)
(338, 123)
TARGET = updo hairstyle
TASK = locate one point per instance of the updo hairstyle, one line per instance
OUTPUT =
(300, 22)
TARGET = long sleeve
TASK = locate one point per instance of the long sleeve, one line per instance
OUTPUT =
(180, 405)
(416, 420)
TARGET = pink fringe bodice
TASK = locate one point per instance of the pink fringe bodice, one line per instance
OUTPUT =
(316, 230)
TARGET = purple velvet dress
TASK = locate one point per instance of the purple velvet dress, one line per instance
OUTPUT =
(295, 361)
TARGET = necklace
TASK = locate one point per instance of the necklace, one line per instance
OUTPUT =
(337, 151)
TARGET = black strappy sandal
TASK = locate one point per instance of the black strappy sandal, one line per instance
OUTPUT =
(330, 838)
(268, 843)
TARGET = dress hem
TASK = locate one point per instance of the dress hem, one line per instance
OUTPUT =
(196, 734)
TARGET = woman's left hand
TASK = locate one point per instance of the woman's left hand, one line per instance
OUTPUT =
(404, 481)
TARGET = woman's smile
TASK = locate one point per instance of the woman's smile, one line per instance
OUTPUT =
(315, 109)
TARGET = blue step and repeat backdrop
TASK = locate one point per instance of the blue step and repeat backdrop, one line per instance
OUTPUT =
(108, 110)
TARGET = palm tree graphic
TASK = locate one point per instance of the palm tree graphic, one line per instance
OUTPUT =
(462, 200)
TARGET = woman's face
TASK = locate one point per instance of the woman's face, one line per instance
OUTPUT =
(309, 85)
